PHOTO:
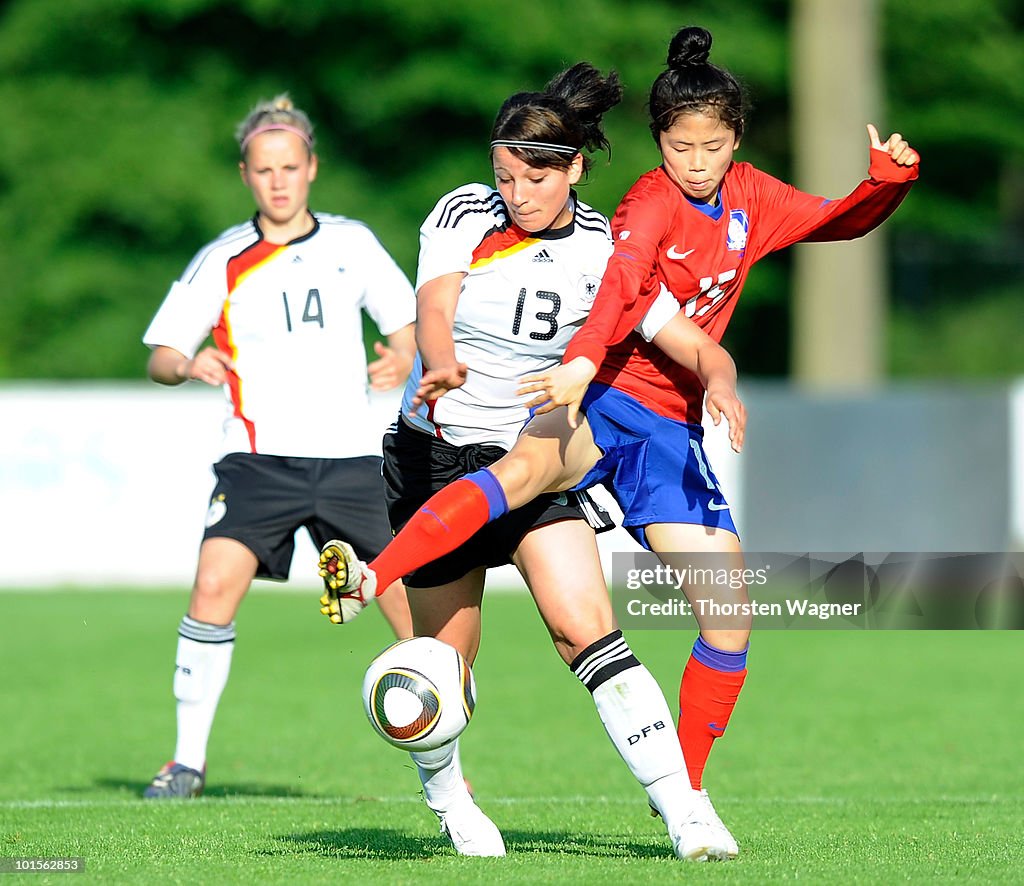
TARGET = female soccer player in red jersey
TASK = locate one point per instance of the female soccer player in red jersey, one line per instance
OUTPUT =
(694, 226)
(691, 228)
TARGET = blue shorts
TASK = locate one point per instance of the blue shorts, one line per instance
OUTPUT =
(653, 466)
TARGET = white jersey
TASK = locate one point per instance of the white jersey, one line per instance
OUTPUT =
(290, 317)
(523, 297)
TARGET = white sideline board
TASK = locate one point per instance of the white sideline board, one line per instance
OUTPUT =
(107, 485)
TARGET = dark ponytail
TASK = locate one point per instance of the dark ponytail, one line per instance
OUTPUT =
(568, 113)
(690, 47)
(692, 84)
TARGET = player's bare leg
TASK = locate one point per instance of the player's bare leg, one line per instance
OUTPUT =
(395, 607)
(666, 539)
(205, 645)
(224, 574)
(574, 604)
(549, 456)
(716, 669)
(452, 614)
(577, 611)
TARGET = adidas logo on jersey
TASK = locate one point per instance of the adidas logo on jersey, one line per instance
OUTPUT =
(543, 256)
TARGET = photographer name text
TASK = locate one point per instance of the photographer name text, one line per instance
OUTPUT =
(699, 607)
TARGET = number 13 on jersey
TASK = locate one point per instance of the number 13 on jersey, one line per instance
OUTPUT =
(548, 319)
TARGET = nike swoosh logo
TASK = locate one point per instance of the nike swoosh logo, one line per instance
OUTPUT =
(673, 254)
(716, 506)
(716, 727)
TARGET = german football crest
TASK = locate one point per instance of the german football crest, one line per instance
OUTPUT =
(739, 224)
(589, 284)
(218, 508)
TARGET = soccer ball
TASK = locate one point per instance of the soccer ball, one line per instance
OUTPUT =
(419, 694)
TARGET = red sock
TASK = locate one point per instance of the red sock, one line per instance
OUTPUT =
(445, 521)
(706, 699)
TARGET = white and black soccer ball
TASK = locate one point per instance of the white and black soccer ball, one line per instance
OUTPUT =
(419, 694)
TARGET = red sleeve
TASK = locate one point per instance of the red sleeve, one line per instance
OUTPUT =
(627, 287)
(787, 215)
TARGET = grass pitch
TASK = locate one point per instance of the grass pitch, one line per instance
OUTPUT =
(853, 757)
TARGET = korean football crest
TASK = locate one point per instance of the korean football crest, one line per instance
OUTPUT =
(739, 224)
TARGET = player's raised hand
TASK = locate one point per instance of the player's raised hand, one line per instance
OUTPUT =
(722, 400)
(562, 385)
(389, 370)
(437, 382)
(895, 146)
(210, 365)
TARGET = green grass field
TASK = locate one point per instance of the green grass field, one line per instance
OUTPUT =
(868, 757)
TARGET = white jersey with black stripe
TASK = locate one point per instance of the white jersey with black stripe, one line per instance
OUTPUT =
(523, 297)
(290, 316)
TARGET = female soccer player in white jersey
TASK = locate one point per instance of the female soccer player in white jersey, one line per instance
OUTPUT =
(506, 276)
(690, 228)
(282, 295)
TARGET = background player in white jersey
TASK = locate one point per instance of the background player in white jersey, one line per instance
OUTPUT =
(505, 278)
(282, 295)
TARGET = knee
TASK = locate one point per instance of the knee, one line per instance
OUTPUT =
(733, 640)
(210, 585)
(215, 597)
(571, 640)
(522, 478)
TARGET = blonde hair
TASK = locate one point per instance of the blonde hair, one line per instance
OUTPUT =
(278, 113)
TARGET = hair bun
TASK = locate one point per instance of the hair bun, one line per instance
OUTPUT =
(690, 47)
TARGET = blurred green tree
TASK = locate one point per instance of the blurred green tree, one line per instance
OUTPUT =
(117, 158)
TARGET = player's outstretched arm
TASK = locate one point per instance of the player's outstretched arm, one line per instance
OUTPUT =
(721, 399)
(562, 385)
(435, 383)
(171, 367)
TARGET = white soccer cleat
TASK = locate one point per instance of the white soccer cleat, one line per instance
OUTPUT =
(349, 584)
(471, 832)
(699, 834)
(728, 849)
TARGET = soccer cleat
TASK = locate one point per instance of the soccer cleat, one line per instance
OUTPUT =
(349, 585)
(727, 846)
(701, 835)
(175, 780)
(471, 832)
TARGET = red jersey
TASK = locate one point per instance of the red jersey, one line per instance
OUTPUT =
(664, 240)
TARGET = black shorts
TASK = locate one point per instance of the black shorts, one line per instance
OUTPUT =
(416, 465)
(261, 500)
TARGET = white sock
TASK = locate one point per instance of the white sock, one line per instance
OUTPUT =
(202, 666)
(637, 719)
(673, 797)
(440, 772)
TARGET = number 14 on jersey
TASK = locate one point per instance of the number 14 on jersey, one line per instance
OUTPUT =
(312, 311)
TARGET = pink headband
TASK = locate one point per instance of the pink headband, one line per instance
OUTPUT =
(270, 127)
